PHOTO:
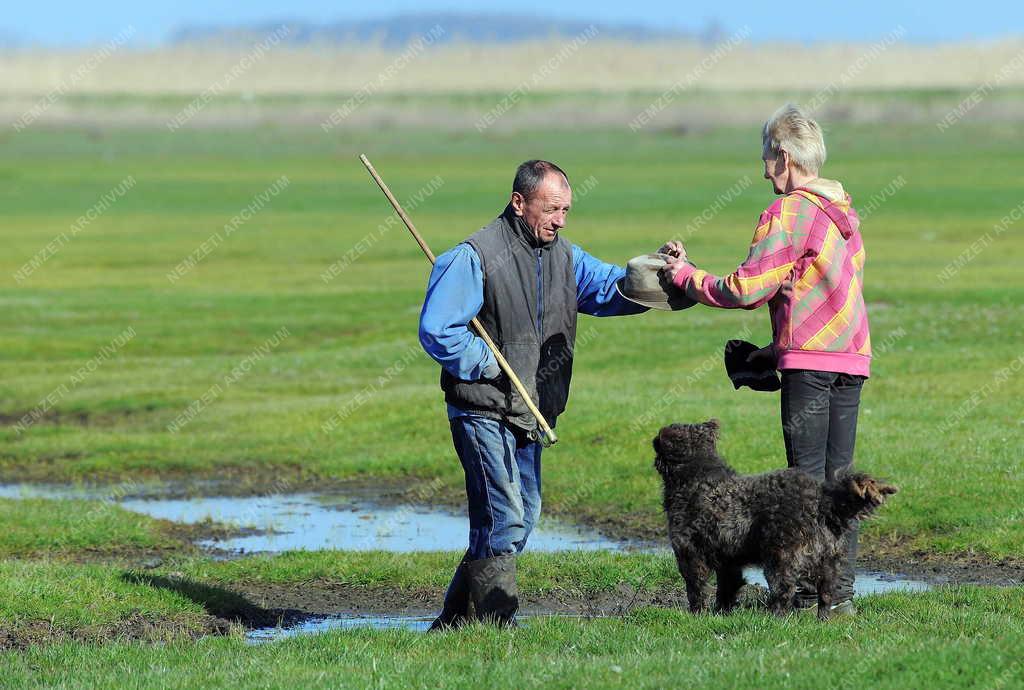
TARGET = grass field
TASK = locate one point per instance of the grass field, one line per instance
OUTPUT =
(248, 353)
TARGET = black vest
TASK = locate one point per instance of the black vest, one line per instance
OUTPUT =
(529, 311)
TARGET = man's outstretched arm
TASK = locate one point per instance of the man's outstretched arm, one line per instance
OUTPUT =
(455, 294)
(595, 287)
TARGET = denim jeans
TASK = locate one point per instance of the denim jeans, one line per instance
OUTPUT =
(502, 469)
(819, 426)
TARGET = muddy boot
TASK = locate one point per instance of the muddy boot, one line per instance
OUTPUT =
(455, 612)
(492, 587)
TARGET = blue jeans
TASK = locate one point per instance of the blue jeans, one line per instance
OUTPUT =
(502, 469)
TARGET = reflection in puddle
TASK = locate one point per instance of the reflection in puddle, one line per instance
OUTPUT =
(328, 623)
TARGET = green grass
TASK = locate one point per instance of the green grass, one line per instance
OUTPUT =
(962, 637)
(46, 600)
(946, 342)
(541, 573)
(949, 637)
(40, 526)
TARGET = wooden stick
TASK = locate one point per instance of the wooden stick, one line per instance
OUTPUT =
(548, 437)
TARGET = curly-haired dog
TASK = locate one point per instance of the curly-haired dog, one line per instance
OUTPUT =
(784, 520)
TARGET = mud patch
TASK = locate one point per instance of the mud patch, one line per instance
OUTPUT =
(55, 417)
(135, 627)
(957, 569)
(320, 598)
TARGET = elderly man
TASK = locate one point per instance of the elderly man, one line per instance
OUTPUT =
(526, 283)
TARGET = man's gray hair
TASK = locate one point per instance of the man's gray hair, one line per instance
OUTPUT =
(530, 174)
(790, 130)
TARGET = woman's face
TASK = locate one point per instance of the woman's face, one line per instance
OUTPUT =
(777, 170)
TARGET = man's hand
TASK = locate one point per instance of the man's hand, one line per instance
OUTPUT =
(674, 266)
(674, 249)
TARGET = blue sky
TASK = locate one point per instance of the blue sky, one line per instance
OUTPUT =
(75, 22)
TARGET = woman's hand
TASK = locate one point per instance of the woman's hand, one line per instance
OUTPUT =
(674, 249)
(764, 358)
(674, 266)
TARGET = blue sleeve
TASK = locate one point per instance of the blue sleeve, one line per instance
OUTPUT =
(595, 287)
(455, 294)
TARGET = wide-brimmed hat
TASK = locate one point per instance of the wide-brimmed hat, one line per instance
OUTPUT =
(647, 286)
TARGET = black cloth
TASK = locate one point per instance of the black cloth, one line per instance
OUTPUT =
(529, 311)
(819, 426)
(759, 376)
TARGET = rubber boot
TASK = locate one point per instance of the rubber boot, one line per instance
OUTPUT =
(455, 612)
(493, 590)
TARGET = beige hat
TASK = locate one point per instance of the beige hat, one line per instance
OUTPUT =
(645, 284)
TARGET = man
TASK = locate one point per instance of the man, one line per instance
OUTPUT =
(526, 283)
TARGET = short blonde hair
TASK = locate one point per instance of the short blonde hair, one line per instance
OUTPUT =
(791, 131)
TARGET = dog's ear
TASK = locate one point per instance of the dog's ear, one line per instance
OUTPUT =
(713, 425)
(870, 489)
(858, 486)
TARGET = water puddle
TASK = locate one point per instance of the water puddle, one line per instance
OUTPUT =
(867, 582)
(315, 522)
(377, 622)
(329, 623)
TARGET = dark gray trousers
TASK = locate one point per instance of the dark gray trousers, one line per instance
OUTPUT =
(819, 426)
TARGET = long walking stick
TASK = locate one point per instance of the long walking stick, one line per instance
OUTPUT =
(547, 437)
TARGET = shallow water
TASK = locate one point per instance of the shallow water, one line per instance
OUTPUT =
(349, 622)
(315, 522)
(867, 582)
(328, 623)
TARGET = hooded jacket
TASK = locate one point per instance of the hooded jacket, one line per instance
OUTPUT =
(806, 262)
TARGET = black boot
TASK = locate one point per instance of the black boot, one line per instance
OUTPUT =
(492, 587)
(455, 612)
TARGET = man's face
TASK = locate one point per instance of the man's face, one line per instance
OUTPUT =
(547, 207)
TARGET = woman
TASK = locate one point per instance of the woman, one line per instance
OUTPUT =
(806, 262)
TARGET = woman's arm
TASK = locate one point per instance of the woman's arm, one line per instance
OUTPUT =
(756, 281)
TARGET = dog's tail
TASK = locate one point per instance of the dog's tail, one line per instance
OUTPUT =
(852, 496)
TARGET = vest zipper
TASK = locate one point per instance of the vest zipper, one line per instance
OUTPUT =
(540, 299)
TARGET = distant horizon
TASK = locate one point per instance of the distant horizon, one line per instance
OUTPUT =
(72, 25)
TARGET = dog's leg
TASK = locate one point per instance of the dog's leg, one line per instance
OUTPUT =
(827, 583)
(696, 574)
(730, 579)
(782, 580)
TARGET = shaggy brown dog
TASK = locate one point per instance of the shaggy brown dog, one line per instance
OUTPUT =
(785, 520)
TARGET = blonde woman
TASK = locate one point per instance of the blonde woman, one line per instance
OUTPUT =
(806, 262)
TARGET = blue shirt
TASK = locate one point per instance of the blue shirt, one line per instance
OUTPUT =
(455, 294)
